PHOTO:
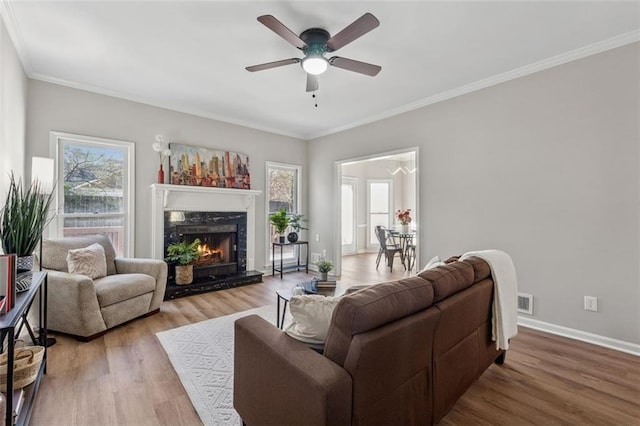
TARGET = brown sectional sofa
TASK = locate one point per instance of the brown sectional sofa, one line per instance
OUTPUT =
(397, 353)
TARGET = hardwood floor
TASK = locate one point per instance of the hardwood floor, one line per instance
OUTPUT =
(125, 377)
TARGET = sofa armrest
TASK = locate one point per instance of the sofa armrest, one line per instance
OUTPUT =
(279, 380)
(72, 305)
(153, 267)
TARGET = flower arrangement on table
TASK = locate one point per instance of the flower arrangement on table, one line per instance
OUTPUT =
(404, 216)
(163, 153)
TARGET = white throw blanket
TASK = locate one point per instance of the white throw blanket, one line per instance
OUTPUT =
(504, 323)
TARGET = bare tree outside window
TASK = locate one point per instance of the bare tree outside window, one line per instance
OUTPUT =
(94, 197)
(283, 181)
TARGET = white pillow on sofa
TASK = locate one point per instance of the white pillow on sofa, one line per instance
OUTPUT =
(435, 261)
(311, 315)
(90, 261)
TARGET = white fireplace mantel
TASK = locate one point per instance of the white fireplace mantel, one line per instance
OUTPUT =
(206, 199)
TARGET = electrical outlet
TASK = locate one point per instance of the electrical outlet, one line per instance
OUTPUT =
(591, 303)
(317, 237)
(324, 254)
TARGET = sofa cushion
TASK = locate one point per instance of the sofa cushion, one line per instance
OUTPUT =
(89, 261)
(373, 307)
(311, 317)
(481, 268)
(435, 261)
(54, 251)
(116, 288)
(448, 279)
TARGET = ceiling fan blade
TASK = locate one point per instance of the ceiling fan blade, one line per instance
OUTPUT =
(353, 31)
(312, 82)
(355, 66)
(274, 64)
(278, 27)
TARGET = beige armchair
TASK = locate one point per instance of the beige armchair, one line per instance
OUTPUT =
(86, 308)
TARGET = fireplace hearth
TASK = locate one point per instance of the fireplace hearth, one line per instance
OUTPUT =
(223, 248)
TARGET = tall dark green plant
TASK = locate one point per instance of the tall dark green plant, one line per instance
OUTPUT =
(24, 216)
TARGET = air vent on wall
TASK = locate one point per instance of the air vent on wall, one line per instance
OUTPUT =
(525, 303)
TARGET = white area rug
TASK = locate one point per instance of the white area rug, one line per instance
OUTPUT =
(202, 355)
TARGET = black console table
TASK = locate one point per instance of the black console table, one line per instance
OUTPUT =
(296, 266)
(11, 325)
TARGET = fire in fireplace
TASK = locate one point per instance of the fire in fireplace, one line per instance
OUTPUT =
(223, 248)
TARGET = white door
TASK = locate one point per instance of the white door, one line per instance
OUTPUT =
(349, 228)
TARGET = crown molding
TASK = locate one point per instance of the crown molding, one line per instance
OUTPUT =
(563, 58)
(11, 23)
(168, 106)
(7, 14)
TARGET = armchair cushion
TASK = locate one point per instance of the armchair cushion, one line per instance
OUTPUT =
(117, 288)
(55, 250)
(89, 261)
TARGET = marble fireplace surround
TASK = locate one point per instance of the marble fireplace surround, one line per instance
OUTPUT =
(203, 199)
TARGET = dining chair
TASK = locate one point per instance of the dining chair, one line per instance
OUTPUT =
(389, 249)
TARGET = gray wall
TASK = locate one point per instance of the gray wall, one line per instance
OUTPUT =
(544, 167)
(54, 107)
(13, 101)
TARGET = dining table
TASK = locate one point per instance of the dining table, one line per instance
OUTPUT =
(406, 242)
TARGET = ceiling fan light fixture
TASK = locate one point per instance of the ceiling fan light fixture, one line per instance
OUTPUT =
(315, 64)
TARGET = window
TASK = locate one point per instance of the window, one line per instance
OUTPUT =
(95, 188)
(283, 192)
(379, 206)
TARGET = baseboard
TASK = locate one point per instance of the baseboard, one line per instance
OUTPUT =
(595, 339)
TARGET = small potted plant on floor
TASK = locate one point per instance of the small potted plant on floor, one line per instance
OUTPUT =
(280, 221)
(324, 267)
(295, 222)
(184, 254)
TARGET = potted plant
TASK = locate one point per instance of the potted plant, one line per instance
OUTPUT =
(185, 256)
(280, 221)
(295, 222)
(22, 220)
(324, 266)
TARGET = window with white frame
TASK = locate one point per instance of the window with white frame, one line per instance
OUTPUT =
(380, 196)
(283, 192)
(95, 188)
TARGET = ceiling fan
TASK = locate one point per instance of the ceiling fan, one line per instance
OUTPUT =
(316, 42)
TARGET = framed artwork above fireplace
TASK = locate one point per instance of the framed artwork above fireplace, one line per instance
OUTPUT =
(198, 166)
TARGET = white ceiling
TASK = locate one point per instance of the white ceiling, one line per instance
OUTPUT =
(190, 55)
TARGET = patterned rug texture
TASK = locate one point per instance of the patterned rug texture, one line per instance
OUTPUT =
(202, 355)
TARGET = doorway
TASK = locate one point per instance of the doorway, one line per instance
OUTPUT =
(370, 191)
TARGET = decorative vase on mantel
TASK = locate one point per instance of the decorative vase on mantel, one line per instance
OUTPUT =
(405, 229)
(160, 174)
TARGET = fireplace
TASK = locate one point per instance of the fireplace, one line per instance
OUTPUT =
(224, 221)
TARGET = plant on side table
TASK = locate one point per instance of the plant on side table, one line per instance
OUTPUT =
(22, 220)
(280, 221)
(295, 222)
(324, 267)
(185, 256)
